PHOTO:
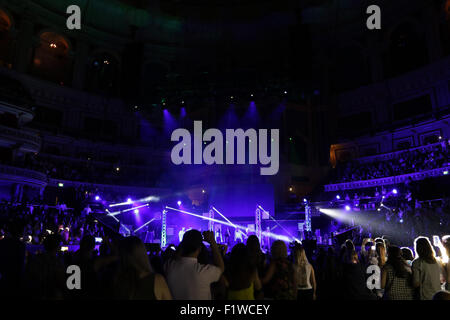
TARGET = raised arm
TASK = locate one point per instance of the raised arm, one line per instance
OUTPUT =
(162, 291)
(269, 274)
(313, 282)
(257, 286)
(216, 255)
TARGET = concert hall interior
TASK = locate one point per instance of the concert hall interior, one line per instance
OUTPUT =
(318, 136)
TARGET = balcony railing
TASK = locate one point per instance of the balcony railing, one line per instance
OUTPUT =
(396, 154)
(20, 175)
(388, 180)
(31, 141)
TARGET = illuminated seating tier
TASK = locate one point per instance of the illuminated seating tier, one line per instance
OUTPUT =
(387, 180)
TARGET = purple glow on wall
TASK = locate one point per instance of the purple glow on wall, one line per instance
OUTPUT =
(170, 123)
(251, 118)
(241, 200)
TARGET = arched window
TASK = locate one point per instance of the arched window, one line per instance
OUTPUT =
(103, 74)
(407, 51)
(51, 60)
(6, 53)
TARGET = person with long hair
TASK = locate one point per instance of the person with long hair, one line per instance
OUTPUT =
(407, 254)
(380, 248)
(242, 276)
(426, 270)
(306, 280)
(135, 279)
(256, 254)
(353, 279)
(280, 279)
(396, 277)
(446, 262)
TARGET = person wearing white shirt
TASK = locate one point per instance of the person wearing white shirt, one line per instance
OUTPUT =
(426, 270)
(186, 277)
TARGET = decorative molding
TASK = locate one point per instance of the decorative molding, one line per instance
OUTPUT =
(28, 140)
(23, 176)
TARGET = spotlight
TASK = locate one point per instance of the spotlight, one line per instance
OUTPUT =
(291, 189)
(117, 169)
(129, 200)
(60, 184)
(394, 191)
(97, 198)
(136, 211)
(182, 101)
(285, 92)
(251, 95)
(338, 197)
(203, 191)
(379, 209)
(179, 203)
(445, 172)
(401, 221)
(347, 208)
(53, 45)
(305, 200)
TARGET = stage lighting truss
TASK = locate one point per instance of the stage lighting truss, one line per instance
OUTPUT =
(163, 229)
(258, 230)
(308, 217)
(211, 220)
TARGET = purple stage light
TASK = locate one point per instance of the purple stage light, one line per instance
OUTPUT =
(129, 200)
(394, 191)
(179, 203)
(136, 211)
(347, 208)
(97, 198)
(338, 197)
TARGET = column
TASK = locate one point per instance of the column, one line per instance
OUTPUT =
(432, 34)
(80, 64)
(25, 44)
(375, 61)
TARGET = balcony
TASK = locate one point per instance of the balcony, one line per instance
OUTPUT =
(26, 140)
(388, 180)
(22, 176)
(15, 99)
